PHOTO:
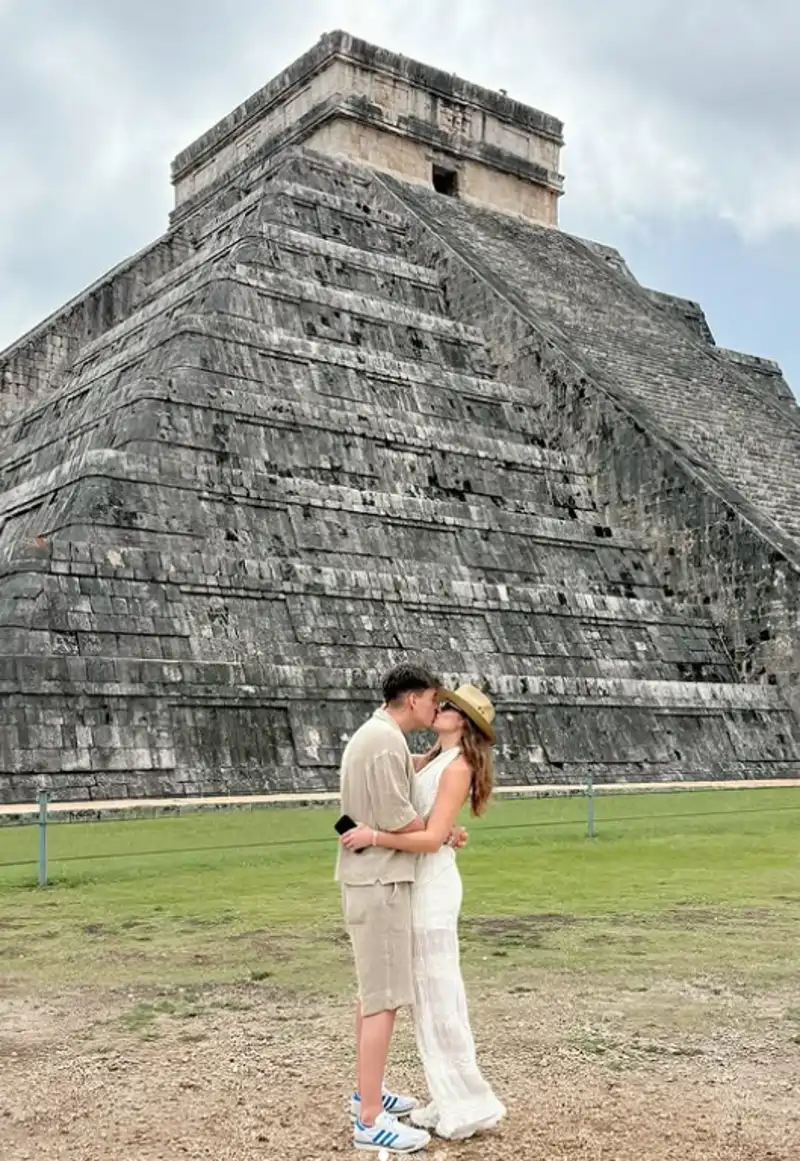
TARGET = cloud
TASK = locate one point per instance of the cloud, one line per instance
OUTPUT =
(670, 107)
(674, 112)
(96, 101)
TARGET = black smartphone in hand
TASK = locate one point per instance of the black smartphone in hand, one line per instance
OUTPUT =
(343, 825)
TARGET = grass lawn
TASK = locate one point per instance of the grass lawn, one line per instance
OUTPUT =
(688, 885)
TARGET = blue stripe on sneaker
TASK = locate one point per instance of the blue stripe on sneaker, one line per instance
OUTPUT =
(380, 1137)
(392, 1138)
(389, 1101)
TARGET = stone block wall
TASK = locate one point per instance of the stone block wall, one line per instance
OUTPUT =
(712, 545)
(327, 440)
(351, 98)
(34, 364)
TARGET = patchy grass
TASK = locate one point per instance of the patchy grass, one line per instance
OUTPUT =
(688, 885)
(633, 997)
(148, 1017)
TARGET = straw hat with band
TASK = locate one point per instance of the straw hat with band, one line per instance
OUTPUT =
(474, 704)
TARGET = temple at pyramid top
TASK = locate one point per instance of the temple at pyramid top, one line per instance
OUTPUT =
(351, 99)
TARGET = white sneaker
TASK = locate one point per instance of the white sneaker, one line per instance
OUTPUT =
(389, 1134)
(398, 1106)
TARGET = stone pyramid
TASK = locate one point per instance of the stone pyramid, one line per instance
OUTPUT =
(365, 401)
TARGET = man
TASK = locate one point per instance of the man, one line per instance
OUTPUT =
(376, 775)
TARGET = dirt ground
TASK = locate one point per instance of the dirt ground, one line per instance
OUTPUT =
(247, 1074)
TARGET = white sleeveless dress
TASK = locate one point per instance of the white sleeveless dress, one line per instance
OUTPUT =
(461, 1100)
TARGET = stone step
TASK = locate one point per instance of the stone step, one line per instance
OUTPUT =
(255, 612)
(432, 586)
(351, 270)
(298, 291)
(337, 371)
(747, 449)
(122, 636)
(319, 512)
(260, 677)
(581, 571)
(302, 245)
(252, 433)
(91, 586)
(223, 224)
(350, 199)
(356, 463)
(353, 200)
(327, 214)
(187, 790)
(157, 518)
(306, 434)
(354, 222)
(25, 811)
(195, 418)
(85, 566)
(306, 167)
(291, 251)
(297, 306)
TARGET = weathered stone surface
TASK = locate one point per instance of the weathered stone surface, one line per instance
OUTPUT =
(349, 421)
(698, 456)
(32, 364)
(347, 97)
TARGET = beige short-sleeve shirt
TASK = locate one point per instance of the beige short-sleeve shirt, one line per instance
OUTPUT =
(376, 775)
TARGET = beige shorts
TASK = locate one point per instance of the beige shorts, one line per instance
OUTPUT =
(378, 921)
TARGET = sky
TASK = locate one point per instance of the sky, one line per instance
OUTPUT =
(681, 126)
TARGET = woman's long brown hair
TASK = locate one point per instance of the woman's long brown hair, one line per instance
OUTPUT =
(477, 750)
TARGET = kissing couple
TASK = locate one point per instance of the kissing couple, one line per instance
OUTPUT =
(401, 898)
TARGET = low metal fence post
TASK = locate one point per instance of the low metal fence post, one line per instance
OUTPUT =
(43, 799)
(589, 792)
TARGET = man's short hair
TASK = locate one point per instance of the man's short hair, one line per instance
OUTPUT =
(403, 679)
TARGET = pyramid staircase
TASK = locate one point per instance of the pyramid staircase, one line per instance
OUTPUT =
(288, 468)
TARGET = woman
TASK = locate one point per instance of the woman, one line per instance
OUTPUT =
(457, 768)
